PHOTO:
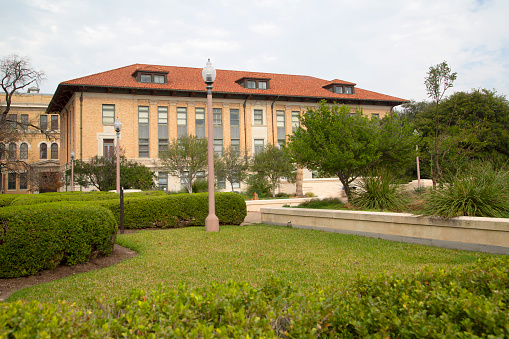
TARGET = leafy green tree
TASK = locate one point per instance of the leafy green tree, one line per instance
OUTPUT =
(337, 143)
(185, 157)
(101, 173)
(232, 166)
(273, 163)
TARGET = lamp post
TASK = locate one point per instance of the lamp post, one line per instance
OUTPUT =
(118, 126)
(417, 160)
(72, 170)
(211, 222)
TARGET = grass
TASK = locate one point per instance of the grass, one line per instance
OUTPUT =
(253, 254)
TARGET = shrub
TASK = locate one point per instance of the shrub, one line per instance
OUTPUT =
(377, 190)
(326, 203)
(258, 183)
(282, 195)
(6, 199)
(200, 186)
(480, 190)
(310, 194)
(38, 237)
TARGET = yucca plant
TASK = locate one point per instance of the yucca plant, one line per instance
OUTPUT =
(378, 190)
(479, 191)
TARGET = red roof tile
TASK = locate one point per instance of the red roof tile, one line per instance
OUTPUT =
(190, 79)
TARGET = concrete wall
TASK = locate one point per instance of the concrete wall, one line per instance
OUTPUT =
(466, 233)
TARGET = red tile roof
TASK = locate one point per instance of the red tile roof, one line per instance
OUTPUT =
(190, 79)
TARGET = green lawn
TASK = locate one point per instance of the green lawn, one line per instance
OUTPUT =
(252, 254)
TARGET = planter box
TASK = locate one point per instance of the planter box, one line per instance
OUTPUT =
(466, 233)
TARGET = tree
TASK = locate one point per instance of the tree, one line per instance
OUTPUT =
(438, 80)
(101, 173)
(273, 163)
(232, 166)
(185, 157)
(16, 73)
(335, 142)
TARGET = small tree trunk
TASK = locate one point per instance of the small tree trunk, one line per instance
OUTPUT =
(298, 182)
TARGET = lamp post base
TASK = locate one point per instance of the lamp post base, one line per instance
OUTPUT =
(212, 223)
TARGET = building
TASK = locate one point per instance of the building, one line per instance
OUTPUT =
(32, 163)
(159, 103)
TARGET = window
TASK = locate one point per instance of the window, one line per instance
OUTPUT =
(258, 146)
(221, 183)
(109, 148)
(2, 152)
(43, 121)
(163, 181)
(13, 149)
(236, 184)
(200, 122)
(375, 116)
(258, 117)
(23, 151)
(295, 120)
(54, 122)
(146, 78)
(254, 83)
(235, 146)
(338, 89)
(348, 90)
(11, 181)
(24, 121)
(162, 120)
(23, 181)
(143, 132)
(234, 117)
(159, 79)
(280, 118)
(251, 84)
(181, 121)
(281, 130)
(218, 147)
(108, 114)
(217, 116)
(13, 119)
(54, 151)
(184, 178)
(262, 84)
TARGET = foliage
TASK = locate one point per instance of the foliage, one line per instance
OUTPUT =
(337, 143)
(186, 156)
(258, 183)
(200, 186)
(232, 166)
(479, 190)
(273, 163)
(38, 237)
(6, 199)
(472, 302)
(101, 173)
(326, 203)
(378, 190)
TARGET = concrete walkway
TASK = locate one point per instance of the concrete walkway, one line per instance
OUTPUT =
(252, 218)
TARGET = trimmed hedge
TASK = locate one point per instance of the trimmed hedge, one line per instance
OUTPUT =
(6, 199)
(33, 199)
(178, 210)
(463, 303)
(39, 237)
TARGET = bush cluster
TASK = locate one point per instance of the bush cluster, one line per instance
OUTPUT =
(466, 303)
(177, 210)
(6, 199)
(39, 237)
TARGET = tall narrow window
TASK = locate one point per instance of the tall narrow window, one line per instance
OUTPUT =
(235, 131)
(54, 151)
(13, 119)
(108, 114)
(23, 181)
(295, 120)
(184, 178)
(108, 148)
(24, 121)
(258, 146)
(43, 154)
(11, 183)
(181, 121)
(54, 122)
(143, 132)
(218, 147)
(163, 181)
(2, 151)
(200, 122)
(13, 150)
(235, 146)
(43, 122)
(23, 151)
(258, 117)
(162, 121)
(217, 116)
(281, 130)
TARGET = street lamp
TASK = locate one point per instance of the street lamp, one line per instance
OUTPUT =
(417, 160)
(72, 170)
(211, 222)
(118, 126)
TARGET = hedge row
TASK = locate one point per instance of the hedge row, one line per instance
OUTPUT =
(33, 199)
(38, 237)
(6, 199)
(466, 303)
(177, 210)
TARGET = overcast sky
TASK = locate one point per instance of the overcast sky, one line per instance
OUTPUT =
(383, 46)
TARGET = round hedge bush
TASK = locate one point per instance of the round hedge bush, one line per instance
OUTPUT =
(39, 237)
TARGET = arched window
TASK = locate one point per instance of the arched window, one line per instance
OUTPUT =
(54, 151)
(13, 149)
(23, 151)
(43, 151)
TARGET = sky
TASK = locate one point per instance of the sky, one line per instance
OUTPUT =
(383, 46)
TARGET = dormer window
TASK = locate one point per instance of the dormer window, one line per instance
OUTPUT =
(254, 83)
(150, 77)
(159, 79)
(340, 87)
(146, 78)
(348, 90)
